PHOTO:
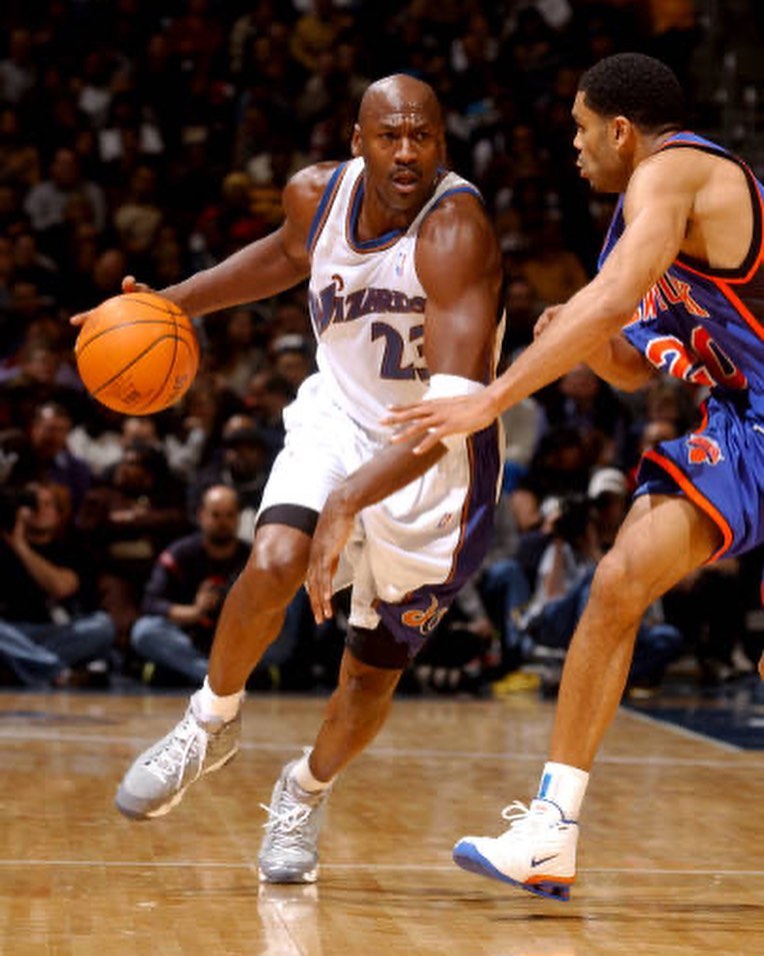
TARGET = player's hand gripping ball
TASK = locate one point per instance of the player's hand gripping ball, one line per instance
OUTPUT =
(137, 353)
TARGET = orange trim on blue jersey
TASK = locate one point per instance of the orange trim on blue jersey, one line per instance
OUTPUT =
(697, 499)
(743, 310)
(755, 255)
(723, 285)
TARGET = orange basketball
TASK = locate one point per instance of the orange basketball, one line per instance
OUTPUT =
(137, 353)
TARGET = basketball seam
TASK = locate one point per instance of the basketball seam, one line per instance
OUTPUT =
(171, 366)
(155, 305)
(137, 358)
(123, 325)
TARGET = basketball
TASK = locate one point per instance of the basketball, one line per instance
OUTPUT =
(137, 353)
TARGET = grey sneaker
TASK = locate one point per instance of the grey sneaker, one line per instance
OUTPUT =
(289, 852)
(159, 777)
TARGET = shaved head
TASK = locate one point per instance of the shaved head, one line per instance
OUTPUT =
(401, 137)
(399, 94)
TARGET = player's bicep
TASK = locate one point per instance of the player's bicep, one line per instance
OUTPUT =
(657, 209)
(459, 267)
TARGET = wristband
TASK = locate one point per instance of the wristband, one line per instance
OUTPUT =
(451, 386)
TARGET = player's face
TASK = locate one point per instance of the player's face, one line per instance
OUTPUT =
(599, 158)
(403, 148)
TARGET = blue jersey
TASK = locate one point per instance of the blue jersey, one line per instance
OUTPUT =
(700, 324)
(706, 326)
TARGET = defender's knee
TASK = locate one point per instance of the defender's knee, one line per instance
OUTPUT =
(617, 590)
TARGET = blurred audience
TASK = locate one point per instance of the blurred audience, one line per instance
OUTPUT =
(52, 631)
(155, 139)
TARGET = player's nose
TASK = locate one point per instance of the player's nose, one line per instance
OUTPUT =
(406, 150)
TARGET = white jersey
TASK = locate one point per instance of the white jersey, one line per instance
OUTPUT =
(410, 552)
(367, 303)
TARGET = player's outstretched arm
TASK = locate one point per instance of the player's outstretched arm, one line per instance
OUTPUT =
(657, 207)
(261, 269)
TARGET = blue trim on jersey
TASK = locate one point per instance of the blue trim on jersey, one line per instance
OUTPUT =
(457, 189)
(365, 245)
(328, 194)
(430, 601)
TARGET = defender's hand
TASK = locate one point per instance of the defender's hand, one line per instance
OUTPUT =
(432, 420)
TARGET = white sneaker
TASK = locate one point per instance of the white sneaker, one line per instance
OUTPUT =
(158, 778)
(537, 852)
(289, 852)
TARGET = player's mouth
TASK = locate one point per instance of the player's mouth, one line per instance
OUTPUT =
(405, 183)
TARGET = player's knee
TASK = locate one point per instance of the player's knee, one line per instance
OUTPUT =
(616, 589)
(364, 683)
(271, 577)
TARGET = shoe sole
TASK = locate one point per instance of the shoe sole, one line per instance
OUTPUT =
(165, 808)
(310, 876)
(469, 858)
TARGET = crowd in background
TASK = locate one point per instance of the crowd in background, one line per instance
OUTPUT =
(153, 138)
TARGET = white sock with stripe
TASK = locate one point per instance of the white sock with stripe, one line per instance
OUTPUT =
(565, 786)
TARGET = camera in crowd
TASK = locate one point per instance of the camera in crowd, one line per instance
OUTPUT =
(11, 500)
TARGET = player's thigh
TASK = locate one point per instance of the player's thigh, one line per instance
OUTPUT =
(663, 539)
(321, 448)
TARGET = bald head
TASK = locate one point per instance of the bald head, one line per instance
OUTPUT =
(218, 517)
(400, 95)
(400, 136)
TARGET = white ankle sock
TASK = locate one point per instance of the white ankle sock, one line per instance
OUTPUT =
(565, 786)
(212, 705)
(302, 775)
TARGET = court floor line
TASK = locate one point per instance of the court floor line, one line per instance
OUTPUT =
(20, 735)
(673, 728)
(349, 867)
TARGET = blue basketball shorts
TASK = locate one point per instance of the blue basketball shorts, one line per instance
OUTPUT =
(720, 468)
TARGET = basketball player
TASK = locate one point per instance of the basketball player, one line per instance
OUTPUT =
(679, 290)
(404, 292)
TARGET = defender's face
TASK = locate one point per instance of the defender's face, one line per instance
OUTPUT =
(403, 150)
(597, 140)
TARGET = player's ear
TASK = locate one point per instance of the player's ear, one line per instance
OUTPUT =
(622, 130)
(355, 142)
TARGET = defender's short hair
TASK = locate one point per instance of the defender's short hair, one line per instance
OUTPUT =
(636, 86)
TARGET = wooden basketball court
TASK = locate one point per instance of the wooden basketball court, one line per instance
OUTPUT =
(671, 860)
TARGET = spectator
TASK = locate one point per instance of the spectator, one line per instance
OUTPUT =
(138, 217)
(184, 594)
(46, 456)
(50, 628)
(292, 358)
(244, 466)
(128, 519)
(17, 70)
(46, 202)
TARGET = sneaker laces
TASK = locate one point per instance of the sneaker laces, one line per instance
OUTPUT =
(188, 739)
(522, 818)
(284, 823)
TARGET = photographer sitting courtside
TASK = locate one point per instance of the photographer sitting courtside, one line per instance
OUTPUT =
(50, 628)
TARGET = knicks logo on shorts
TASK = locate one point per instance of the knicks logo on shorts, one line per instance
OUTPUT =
(702, 450)
(425, 621)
